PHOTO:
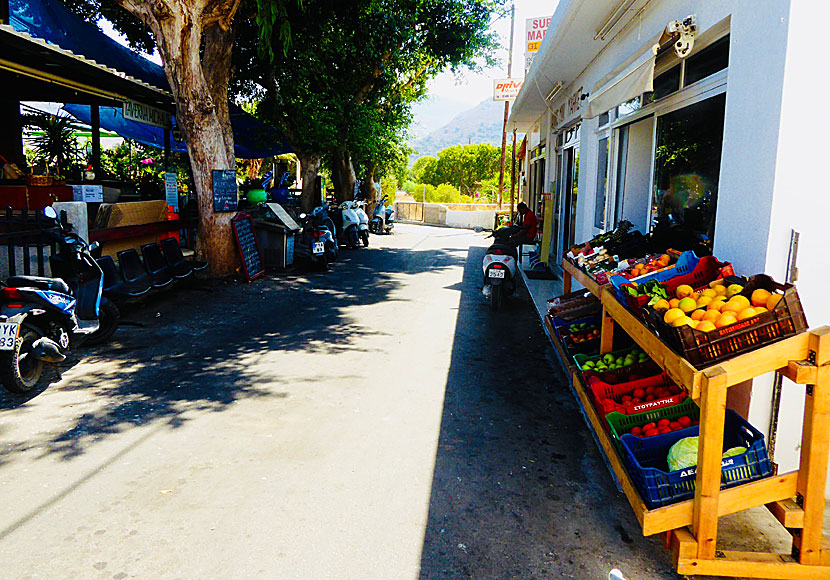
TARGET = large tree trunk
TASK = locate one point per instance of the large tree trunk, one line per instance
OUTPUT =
(368, 189)
(200, 91)
(342, 175)
(309, 168)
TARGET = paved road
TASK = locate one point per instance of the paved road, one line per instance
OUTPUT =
(374, 423)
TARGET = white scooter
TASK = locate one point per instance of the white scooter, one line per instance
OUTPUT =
(499, 267)
(351, 224)
(363, 225)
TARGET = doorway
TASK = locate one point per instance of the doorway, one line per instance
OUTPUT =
(566, 195)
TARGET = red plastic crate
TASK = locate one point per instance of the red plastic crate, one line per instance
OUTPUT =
(704, 349)
(708, 269)
(601, 390)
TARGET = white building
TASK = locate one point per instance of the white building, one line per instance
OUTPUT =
(722, 139)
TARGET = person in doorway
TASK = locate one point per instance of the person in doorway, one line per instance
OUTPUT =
(529, 226)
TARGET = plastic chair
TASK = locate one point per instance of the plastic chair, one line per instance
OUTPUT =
(134, 272)
(175, 258)
(115, 287)
(156, 265)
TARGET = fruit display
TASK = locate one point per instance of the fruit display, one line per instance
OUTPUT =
(663, 426)
(634, 396)
(582, 332)
(612, 361)
(651, 264)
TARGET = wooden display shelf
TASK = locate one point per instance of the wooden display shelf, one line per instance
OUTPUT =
(571, 272)
(796, 499)
(787, 354)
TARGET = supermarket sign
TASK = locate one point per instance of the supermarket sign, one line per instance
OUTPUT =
(535, 29)
(506, 89)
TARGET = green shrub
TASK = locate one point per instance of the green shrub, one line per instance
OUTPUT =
(420, 189)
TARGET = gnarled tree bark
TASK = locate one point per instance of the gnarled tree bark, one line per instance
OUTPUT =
(200, 88)
(343, 175)
(309, 168)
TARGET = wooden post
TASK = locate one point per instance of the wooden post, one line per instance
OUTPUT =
(95, 125)
(606, 340)
(812, 474)
(710, 452)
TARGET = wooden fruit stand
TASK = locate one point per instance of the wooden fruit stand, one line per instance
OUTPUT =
(689, 528)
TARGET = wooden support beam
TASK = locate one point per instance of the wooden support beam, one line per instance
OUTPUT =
(788, 512)
(801, 372)
(815, 445)
(710, 454)
(752, 565)
(683, 544)
(606, 338)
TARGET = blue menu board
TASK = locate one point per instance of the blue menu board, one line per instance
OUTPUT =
(225, 192)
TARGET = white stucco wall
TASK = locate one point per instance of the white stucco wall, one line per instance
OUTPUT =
(470, 219)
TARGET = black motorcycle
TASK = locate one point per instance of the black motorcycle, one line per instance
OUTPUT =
(316, 243)
(42, 318)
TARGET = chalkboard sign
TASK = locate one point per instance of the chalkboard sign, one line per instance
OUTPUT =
(225, 192)
(243, 230)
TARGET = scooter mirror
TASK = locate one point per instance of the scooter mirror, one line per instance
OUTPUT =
(50, 212)
(302, 216)
(94, 246)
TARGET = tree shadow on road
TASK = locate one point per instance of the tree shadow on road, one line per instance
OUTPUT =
(519, 489)
(199, 352)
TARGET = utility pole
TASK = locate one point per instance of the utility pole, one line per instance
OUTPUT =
(506, 104)
(513, 176)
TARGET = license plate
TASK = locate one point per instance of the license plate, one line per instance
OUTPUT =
(318, 248)
(8, 335)
(495, 273)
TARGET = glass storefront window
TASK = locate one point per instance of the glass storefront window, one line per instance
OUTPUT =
(687, 168)
(665, 84)
(629, 107)
(602, 184)
(708, 61)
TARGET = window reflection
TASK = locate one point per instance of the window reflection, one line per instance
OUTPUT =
(687, 168)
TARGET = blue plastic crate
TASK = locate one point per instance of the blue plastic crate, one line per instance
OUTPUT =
(646, 459)
(686, 263)
(559, 323)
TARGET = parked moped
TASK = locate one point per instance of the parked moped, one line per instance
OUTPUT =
(42, 318)
(383, 217)
(499, 266)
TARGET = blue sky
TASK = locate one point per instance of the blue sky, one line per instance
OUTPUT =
(449, 96)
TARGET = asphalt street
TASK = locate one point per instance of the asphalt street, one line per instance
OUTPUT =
(377, 422)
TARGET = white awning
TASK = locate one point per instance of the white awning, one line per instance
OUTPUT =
(634, 80)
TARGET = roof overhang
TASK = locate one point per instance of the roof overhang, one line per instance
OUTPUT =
(35, 59)
(569, 46)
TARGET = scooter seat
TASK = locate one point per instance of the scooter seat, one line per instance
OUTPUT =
(505, 249)
(53, 284)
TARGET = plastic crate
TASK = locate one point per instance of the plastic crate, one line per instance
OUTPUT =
(708, 269)
(562, 304)
(647, 465)
(621, 375)
(619, 424)
(560, 325)
(602, 390)
(704, 349)
(686, 263)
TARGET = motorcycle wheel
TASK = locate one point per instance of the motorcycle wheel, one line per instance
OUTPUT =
(330, 253)
(495, 297)
(108, 318)
(364, 235)
(18, 372)
(354, 240)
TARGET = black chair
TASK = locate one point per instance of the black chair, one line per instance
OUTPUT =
(175, 258)
(156, 265)
(115, 287)
(134, 272)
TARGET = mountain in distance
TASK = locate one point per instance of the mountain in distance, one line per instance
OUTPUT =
(481, 124)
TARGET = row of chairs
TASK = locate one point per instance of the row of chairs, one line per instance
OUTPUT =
(134, 277)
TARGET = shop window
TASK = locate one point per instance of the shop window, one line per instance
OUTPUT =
(603, 119)
(665, 84)
(602, 184)
(687, 168)
(708, 61)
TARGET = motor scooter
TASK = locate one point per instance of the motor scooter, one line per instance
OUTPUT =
(350, 223)
(316, 242)
(42, 318)
(499, 266)
(363, 225)
(383, 218)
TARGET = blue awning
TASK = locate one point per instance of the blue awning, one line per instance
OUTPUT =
(252, 139)
(50, 21)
